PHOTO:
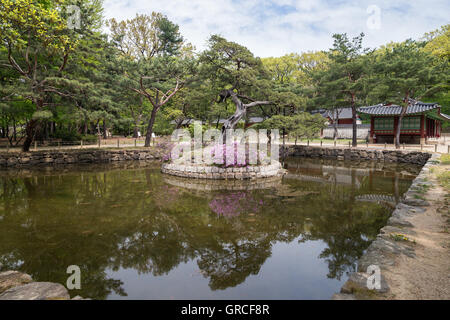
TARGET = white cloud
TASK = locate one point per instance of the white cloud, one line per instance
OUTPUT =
(277, 27)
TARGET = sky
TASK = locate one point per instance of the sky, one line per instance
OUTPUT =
(278, 27)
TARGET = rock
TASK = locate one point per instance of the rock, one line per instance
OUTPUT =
(393, 221)
(343, 296)
(36, 291)
(357, 282)
(79, 298)
(10, 279)
(412, 201)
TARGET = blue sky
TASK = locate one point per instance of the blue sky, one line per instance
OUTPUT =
(273, 28)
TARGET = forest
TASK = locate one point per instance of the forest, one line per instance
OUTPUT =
(68, 79)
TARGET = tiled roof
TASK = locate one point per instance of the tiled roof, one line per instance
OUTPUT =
(446, 116)
(381, 109)
(343, 113)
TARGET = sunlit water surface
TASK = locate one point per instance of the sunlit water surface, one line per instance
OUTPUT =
(138, 234)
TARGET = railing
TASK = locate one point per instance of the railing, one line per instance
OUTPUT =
(139, 142)
(436, 147)
(100, 143)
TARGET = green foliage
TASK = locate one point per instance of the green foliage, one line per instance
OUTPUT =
(303, 125)
(146, 76)
(402, 71)
(438, 43)
(42, 115)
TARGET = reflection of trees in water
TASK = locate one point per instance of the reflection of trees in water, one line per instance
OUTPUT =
(229, 264)
(131, 219)
(235, 203)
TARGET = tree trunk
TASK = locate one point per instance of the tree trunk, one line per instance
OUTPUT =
(179, 123)
(241, 110)
(399, 127)
(46, 131)
(31, 127)
(85, 128)
(14, 130)
(30, 132)
(355, 132)
(232, 121)
(105, 136)
(136, 126)
(151, 122)
(335, 118)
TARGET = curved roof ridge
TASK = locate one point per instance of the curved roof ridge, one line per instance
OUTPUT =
(383, 109)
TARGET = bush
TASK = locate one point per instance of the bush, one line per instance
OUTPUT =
(89, 138)
(67, 136)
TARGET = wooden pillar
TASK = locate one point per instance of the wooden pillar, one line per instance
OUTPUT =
(372, 129)
(395, 128)
(422, 129)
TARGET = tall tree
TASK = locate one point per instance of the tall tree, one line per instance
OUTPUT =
(343, 82)
(149, 45)
(240, 77)
(38, 44)
(404, 73)
(168, 76)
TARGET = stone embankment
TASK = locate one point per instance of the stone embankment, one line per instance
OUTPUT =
(16, 285)
(222, 173)
(55, 157)
(341, 153)
(36, 158)
(208, 185)
(393, 241)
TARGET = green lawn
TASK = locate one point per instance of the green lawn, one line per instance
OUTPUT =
(326, 141)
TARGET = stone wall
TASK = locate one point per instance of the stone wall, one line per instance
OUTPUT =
(383, 251)
(207, 185)
(35, 158)
(341, 153)
(24, 159)
(345, 131)
(219, 173)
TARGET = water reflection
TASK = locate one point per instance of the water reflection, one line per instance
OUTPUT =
(126, 224)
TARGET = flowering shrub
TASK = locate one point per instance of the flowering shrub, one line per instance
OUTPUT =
(249, 157)
(166, 149)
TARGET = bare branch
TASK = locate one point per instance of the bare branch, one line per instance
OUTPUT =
(257, 103)
(13, 62)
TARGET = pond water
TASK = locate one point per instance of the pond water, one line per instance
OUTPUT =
(138, 234)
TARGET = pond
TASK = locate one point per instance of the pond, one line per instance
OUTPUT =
(138, 234)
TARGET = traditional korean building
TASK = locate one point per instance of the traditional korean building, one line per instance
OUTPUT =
(343, 115)
(421, 121)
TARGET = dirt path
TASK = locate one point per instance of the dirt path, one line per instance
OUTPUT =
(427, 276)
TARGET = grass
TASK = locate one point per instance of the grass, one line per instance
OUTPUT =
(445, 159)
(401, 237)
(444, 179)
(326, 141)
(443, 174)
(423, 188)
